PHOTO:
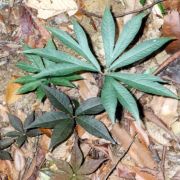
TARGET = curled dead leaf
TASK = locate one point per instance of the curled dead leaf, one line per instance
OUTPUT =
(10, 94)
(171, 28)
(19, 160)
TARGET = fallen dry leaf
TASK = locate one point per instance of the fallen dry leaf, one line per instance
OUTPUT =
(172, 4)
(171, 28)
(158, 134)
(165, 108)
(11, 89)
(87, 87)
(19, 160)
(49, 8)
(138, 152)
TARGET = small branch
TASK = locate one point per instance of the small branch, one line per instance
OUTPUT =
(122, 14)
(120, 158)
(167, 62)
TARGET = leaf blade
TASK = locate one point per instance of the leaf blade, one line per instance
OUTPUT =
(94, 127)
(126, 99)
(128, 33)
(139, 52)
(91, 106)
(108, 98)
(108, 35)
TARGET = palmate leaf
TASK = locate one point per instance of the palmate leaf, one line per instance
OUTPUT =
(108, 98)
(50, 45)
(5, 155)
(61, 70)
(61, 132)
(28, 67)
(91, 106)
(76, 156)
(94, 127)
(71, 43)
(144, 83)
(48, 120)
(25, 79)
(83, 43)
(28, 87)
(36, 60)
(59, 100)
(126, 99)
(60, 81)
(16, 122)
(60, 57)
(139, 52)
(135, 77)
(5, 143)
(108, 35)
(128, 33)
(21, 140)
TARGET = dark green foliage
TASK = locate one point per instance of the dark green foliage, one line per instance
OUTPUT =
(4, 144)
(71, 114)
(21, 132)
(115, 83)
(38, 64)
(78, 167)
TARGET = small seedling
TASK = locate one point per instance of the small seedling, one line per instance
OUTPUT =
(115, 83)
(64, 121)
(4, 144)
(21, 134)
(37, 65)
(78, 168)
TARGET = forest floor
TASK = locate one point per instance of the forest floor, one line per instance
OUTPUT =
(151, 152)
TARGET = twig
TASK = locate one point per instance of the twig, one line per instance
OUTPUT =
(163, 161)
(167, 62)
(120, 158)
(122, 14)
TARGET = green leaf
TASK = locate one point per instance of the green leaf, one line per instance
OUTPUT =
(139, 52)
(61, 132)
(33, 132)
(21, 140)
(108, 98)
(50, 45)
(134, 77)
(126, 99)
(61, 82)
(128, 33)
(13, 134)
(25, 79)
(90, 166)
(4, 155)
(83, 43)
(94, 127)
(60, 70)
(36, 60)
(27, 67)
(5, 143)
(108, 35)
(143, 2)
(16, 122)
(40, 94)
(48, 120)
(71, 43)
(90, 107)
(73, 77)
(76, 156)
(28, 87)
(144, 83)
(59, 57)
(29, 119)
(58, 99)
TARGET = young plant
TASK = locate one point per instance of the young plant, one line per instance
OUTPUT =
(64, 121)
(114, 82)
(37, 65)
(4, 144)
(21, 134)
(78, 167)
